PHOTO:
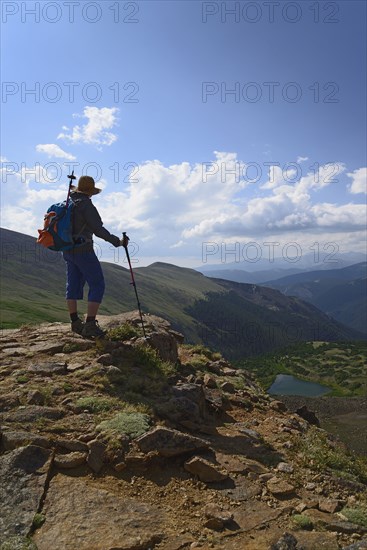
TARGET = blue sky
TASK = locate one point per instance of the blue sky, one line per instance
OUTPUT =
(280, 159)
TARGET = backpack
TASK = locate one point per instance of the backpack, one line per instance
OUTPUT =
(57, 232)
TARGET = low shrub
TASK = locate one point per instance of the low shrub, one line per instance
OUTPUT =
(131, 424)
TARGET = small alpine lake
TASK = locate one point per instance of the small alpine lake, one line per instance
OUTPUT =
(285, 384)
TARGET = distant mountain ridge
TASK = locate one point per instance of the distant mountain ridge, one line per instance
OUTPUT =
(318, 260)
(341, 293)
(238, 319)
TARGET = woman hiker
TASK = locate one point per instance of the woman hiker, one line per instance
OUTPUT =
(82, 264)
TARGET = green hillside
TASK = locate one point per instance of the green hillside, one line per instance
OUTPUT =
(341, 366)
(238, 319)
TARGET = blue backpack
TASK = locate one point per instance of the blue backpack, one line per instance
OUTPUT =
(57, 232)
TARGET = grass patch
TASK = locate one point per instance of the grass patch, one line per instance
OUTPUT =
(38, 521)
(319, 453)
(300, 521)
(131, 424)
(122, 333)
(356, 515)
(72, 347)
(17, 542)
(152, 366)
(96, 404)
(22, 379)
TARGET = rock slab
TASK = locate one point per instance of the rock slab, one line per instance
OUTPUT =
(23, 475)
(76, 518)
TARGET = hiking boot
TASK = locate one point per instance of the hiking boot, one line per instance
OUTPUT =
(77, 326)
(92, 330)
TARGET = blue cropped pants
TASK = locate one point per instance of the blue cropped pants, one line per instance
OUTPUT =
(80, 269)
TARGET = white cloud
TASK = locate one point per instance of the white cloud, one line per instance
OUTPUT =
(275, 177)
(302, 159)
(20, 219)
(180, 205)
(359, 181)
(53, 150)
(97, 130)
(173, 209)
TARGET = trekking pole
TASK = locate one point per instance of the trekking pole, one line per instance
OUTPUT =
(71, 177)
(134, 285)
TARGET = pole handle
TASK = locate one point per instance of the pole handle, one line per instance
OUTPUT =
(71, 177)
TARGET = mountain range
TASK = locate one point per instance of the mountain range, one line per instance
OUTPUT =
(341, 293)
(264, 270)
(237, 319)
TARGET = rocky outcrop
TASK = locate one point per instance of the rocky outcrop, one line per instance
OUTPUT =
(109, 445)
(80, 515)
(23, 477)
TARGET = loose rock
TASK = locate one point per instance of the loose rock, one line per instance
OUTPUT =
(278, 487)
(96, 456)
(205, 470)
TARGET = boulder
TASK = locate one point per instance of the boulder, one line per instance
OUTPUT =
(329, 505)
(168, 442)
(31, 413)
(286, 542)
(47, 368)
(216, 518)
(47, 347)
(165, 344)
(182, 409)
(73, 444)
(193, 393)
(308, 415)
(209, 381)
(229, 371)
(35, 397)
(96, 455)
(278, 406)
(230, 463)
(70, 460)
(228, 387)
(206, 471)
(12, 440)
(244, 489)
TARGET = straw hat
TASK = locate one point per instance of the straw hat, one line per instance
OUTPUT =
(86, 185)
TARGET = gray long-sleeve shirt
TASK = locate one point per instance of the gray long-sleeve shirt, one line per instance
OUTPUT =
(87, 222)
